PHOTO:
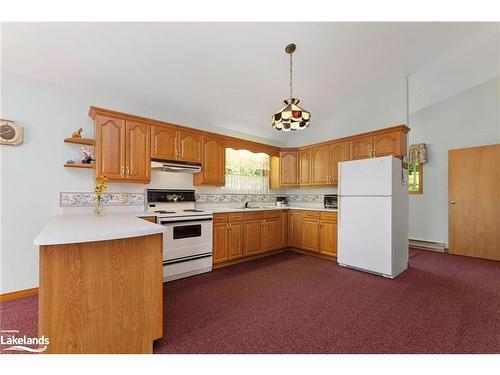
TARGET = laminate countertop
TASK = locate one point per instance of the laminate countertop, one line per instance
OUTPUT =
(251, 209)
(77, 228)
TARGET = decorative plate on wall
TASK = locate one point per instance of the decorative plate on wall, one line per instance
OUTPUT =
(11, 133)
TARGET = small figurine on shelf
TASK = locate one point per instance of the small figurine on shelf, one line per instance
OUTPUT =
(100, 188)
(77, 133)
(86, 155)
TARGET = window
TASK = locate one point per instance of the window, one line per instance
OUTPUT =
(415, 178)
(246, 172)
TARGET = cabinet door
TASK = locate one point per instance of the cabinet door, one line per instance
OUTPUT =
(274, 172)
(361, 148)
(339, 151)
(389, 144)
(189, 146)
(220, 242)
(272, 233)
(289, 168)
(320, 165)
(305, 167)
(328, 238)
(294, 237)
(284, 228)
(110, 147)
(253, 236)
(163, 142)
(213, 170)
(138, 149)
(236, 235)
(310, 234)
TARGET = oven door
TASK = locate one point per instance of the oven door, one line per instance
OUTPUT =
(187, 238)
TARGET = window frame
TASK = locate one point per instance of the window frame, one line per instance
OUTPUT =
(420, 179)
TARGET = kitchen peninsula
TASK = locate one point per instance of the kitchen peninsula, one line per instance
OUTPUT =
(100, 283)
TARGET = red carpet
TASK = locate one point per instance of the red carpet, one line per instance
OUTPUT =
(292, 303)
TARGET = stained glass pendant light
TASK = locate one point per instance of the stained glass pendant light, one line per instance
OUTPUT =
(291, 116)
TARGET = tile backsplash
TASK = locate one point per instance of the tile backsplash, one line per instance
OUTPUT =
(69, 199)
(78, 199)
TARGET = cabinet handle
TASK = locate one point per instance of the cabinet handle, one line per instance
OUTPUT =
(123, 170)
(227, 226)
(128, 170)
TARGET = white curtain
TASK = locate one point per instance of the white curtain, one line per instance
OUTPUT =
(246, 172)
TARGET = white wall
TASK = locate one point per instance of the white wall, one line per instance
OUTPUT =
(32, 175)
(470, 118)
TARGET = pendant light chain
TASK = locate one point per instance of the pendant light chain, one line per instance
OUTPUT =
(291, 75)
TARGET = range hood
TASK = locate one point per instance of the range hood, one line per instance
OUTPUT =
(174, 166)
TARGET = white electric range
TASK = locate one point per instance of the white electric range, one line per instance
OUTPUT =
(187, 245)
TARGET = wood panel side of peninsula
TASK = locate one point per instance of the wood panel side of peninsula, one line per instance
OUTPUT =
(102, 296)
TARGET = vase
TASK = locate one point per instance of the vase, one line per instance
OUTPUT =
(99, 208)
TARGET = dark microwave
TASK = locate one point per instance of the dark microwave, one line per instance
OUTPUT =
(331, 201)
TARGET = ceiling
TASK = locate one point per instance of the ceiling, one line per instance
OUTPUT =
(227, 75)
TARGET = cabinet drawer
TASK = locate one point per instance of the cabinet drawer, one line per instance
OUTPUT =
(254, 215)
(219, 218)
(310, 214)
(331, 216)
(235, 216)
(273, 214)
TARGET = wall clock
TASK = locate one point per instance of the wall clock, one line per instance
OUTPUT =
(11, 133)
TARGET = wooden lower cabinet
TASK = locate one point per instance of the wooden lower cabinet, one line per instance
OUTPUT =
(220, 242)
(310, 225)
(235, 242)
(328, 234)
(253, 236)
(245, 234)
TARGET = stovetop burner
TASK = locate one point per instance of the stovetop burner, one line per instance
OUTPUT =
(193, 210)
(164, 212)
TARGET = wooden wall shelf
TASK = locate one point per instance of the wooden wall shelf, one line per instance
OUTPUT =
(80, 141)
(79, 165)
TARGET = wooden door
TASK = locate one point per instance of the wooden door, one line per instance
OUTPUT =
(138, 151)
(328, 237)
(110, 147)
(389, 144)
(164, 142)
(236, 235)
(305, 167)
(253, 236)
(289, 168)
(361, 148)
(213, 171)
(220, 242)
(310, 234)
(339, 151)
(189, 146)
(272, 239)
(320, 165)
(474, 201)
(294, 237)
(284, 228)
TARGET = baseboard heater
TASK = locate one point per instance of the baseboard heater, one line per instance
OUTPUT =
(428, 245)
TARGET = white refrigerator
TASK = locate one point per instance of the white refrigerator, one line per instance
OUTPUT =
(373, 216)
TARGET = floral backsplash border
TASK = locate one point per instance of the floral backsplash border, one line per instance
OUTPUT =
(69, 199)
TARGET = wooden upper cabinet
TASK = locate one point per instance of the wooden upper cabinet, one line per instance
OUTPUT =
(305, 167)
(274, 172)
(339, 151)
(393, 143)
(137, 144)
(110, 147)
(361, 148)
(189, 146)
(289, 168)
(320, 165)
(213, 170)
(163, 142)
